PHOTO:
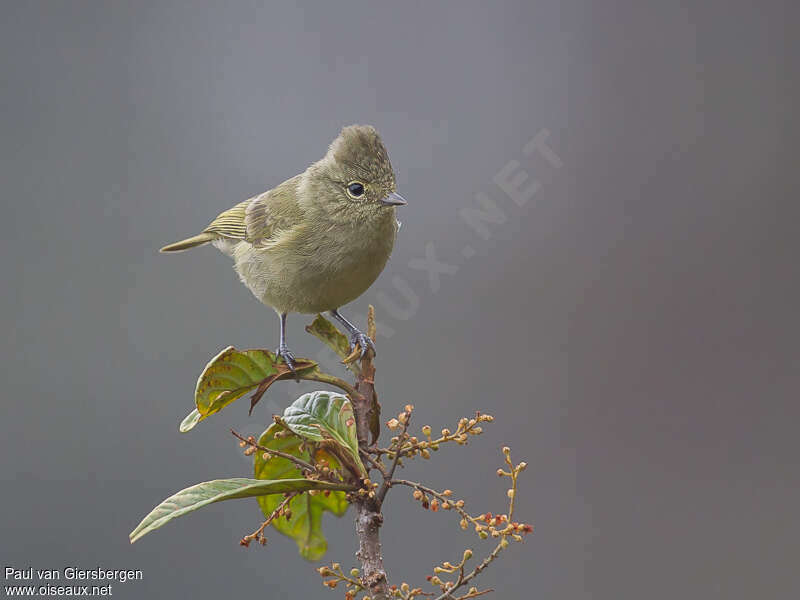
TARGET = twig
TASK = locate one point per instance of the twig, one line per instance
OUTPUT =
(441, 497)
(508, 531)
(387, 480)
(474, 573)
(335, 381)
(366, 455)
(464, 429)
(297, 461)
(259, 533)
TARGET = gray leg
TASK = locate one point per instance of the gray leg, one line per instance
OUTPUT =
(356, 337)
(282, 351)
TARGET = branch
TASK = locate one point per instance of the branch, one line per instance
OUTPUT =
(387, 481)
(280, 510)
(335, 381)
(368, 516)
(464, 579)
(303, 465)
(368, 457)
(511, 530)
(442, 497)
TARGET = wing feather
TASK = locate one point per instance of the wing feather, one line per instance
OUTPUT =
(273, 212)
(230, 224)
(260, 219)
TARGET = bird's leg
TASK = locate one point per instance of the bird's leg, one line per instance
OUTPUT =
(356, 336)
(282, 351)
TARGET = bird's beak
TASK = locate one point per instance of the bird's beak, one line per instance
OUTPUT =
(394, 199)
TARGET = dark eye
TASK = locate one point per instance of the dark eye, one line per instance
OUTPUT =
(355, 189)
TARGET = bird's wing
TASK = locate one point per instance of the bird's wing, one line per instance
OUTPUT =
(230, 224)
(261, 218)
(271, 213)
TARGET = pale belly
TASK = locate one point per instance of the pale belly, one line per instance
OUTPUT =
(311, 274)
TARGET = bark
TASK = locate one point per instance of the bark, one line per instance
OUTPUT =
(368, 516)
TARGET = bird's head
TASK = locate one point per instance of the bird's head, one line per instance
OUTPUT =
(356, 173)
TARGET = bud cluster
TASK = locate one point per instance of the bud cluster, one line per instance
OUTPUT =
(367, 489)
(412, 446)
(402, 419)
(405, 591)
(282, 510)
(352, 583)
(448, 568)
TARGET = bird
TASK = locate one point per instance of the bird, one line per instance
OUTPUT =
(318, 240)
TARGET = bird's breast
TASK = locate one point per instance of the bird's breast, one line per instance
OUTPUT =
(321, 268)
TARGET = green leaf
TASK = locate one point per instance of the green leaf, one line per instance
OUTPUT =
(305, 526)
(231, 374)
(324, 415)
(202, 494)
(327, 333)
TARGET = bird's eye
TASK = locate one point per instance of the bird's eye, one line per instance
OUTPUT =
(355, 189)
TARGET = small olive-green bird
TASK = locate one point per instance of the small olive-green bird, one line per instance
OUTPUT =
(318, 240)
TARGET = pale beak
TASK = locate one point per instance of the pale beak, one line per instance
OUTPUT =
(394, 199)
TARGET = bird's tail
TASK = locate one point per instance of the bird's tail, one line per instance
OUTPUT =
(197, 240)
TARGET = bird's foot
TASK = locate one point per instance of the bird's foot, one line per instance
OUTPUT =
(363, 341)
(287, 356)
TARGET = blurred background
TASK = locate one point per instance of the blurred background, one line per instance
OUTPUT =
(630, 321)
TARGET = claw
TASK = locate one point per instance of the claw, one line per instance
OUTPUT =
(287, 356)
(363, 341)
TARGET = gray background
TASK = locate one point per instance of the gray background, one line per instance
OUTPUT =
(633, 327)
